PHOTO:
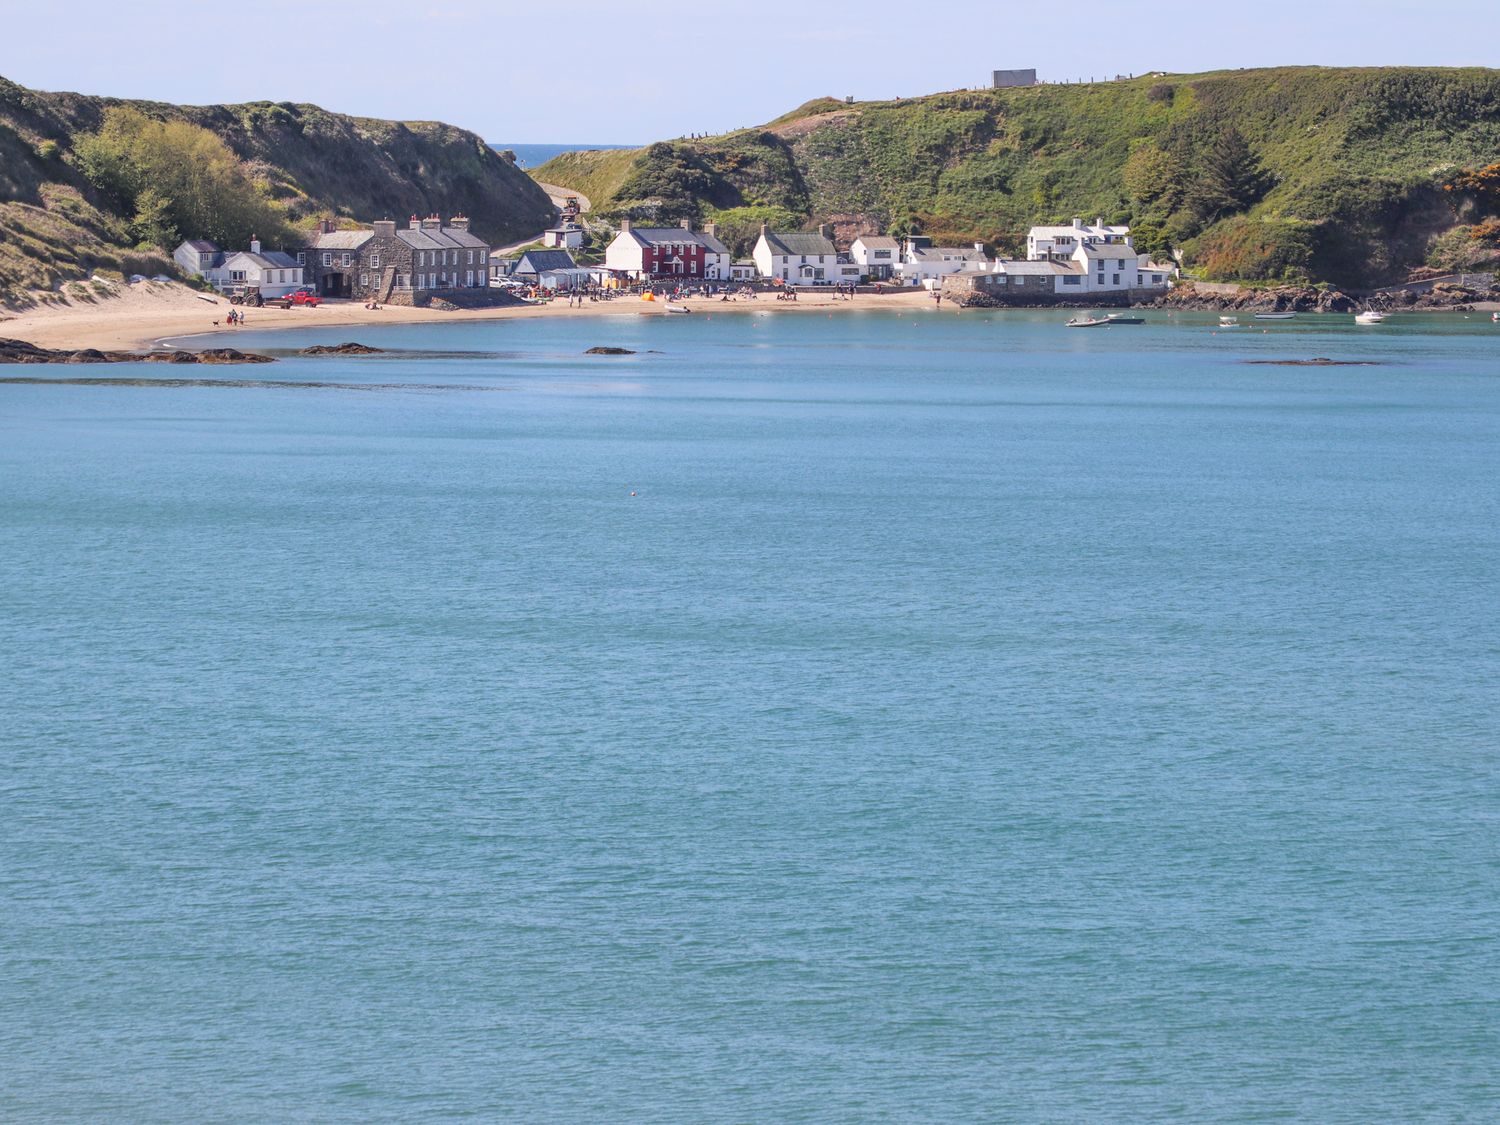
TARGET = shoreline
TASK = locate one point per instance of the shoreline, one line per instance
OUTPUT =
(148, 317)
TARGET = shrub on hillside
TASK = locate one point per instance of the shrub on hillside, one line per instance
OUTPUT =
(1248, 249)
(178, 180)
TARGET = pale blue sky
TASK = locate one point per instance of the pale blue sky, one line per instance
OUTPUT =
(639, 70)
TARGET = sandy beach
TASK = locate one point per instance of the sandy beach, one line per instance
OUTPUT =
(148, 312)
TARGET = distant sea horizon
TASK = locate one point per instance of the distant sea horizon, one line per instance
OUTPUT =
(534, 156)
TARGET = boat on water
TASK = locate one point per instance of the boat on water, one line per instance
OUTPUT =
(1369, 316)
(1229, 322)
(1120, 318)
(1087, 322)
(1276, 316)
(677, 309)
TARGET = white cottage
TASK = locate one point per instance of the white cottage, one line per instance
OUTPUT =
(878, 255)
(272, 272)
(797, 258)
(921, 262)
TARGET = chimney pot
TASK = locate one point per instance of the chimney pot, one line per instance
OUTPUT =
(624, 224)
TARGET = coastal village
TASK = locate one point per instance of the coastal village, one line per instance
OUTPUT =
(435, 259)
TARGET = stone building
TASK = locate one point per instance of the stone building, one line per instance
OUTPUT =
(409, 266)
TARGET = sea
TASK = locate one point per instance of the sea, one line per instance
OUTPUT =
(881, 717)
(534, 156)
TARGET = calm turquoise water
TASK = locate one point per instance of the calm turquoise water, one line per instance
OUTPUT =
(965, 720)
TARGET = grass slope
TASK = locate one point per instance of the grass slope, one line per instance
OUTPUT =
(55, 225)
(1354, 159)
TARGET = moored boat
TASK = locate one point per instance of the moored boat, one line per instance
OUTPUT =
(1369, 316)
(1087, 322)
(1229, 322)
(1276, 316)
(1120, 318)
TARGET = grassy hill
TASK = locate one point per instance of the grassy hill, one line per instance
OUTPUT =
(1339, 175)
(58, 221)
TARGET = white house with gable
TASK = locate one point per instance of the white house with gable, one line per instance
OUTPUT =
(797, 257)
(1060, 242)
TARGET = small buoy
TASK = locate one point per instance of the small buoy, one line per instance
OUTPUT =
(632, 494)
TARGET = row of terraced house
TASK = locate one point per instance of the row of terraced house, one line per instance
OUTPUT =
(411, 265)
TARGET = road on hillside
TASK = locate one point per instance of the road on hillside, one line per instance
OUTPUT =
(560, 195)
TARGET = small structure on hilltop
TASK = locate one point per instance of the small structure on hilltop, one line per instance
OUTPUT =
(568, 236)
(1009, 79)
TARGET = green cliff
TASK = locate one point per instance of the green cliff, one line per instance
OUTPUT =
(66, 209)
(1290, 173)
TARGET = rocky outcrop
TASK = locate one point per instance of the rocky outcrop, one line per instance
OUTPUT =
(1286, 298)
(609, 351)
(341, 349)
(19, 351)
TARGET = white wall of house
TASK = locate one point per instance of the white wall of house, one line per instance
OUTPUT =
(795, 269)
(240, 270)
(625, 253)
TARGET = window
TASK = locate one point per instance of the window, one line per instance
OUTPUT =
(236, 275)
(469, 278)
(432, 281)
(364, 279)
(328, 259)
(302, 257)
(400, 281)
(346, 259)
(471, 257)
(1116, 278)
(374, 261)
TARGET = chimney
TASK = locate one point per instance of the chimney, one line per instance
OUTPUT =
(979, 246)
(826, 231)
(432, 222)
(416, 223)
(459, 222)
(686, 224)
(326, 226)
(1077, 224)
(254, 244)
(765, 228)
(385, 228)
(711, 229)
(1099, 222)
(624, 225)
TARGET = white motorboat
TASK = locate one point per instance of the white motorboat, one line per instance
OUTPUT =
(1276, 316)
(1229, 322)
(1087, 322)
(1369, 316)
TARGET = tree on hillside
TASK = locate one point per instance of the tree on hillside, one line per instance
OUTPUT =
(1153, 179)
(1229, 178)
(178, 180)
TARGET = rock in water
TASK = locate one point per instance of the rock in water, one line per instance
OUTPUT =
(609, 351)
(341, 349)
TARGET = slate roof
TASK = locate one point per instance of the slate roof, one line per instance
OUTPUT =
(799, 243)
(878, 242)
(266, 259)
(535, 261)
(201, 245)
(949, 253)
(712, 244)
(1111, 250)
(1038, 269)
(341, 239)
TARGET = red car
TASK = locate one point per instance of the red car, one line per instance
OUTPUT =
(297, 297)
